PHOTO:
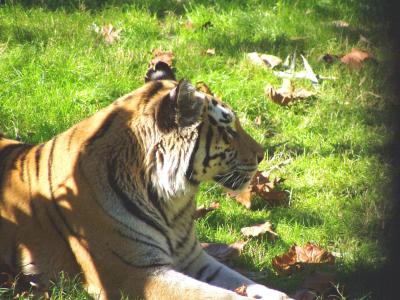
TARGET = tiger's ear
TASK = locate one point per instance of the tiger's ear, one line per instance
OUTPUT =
(189, 103)
(160, 71)
(182, 107)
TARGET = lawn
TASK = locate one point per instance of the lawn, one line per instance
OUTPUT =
(331, 149)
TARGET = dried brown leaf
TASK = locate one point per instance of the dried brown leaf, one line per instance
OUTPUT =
(297, 256)
(262, 187)
(109, 33)
(264, 60)
(202, 210)
(258, 230)
(255, 58)
(164, 56)
(287, 93)
(258, 120)
(271, 60)
(243, 197)
(224, 252)
(356, 57)
(241, 290)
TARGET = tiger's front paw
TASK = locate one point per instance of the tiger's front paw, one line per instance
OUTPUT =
(259, 291)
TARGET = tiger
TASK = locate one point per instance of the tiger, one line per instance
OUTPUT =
(113, 197)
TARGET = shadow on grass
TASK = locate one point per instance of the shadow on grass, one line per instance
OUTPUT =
(291, 216)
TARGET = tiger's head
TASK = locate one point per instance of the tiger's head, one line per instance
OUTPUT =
(225, 152)
(200, 139)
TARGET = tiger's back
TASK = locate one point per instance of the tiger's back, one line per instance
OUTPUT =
(112, 198)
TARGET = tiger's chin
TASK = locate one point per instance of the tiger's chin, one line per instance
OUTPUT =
(234, 181)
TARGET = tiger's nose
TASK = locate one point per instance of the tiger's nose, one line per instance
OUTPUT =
(260, 157)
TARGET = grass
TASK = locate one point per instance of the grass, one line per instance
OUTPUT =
(55, 71)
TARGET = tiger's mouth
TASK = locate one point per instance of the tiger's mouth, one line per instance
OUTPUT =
(234, 180)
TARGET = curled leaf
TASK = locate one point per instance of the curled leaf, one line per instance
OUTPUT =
(241, 290)
(164, 56)
(262, 187)
(224, 252)
(258, 230)
(202, 210)
(109, 33)
(287, 93)
(356, 57)
(264, 60)
(297, 256)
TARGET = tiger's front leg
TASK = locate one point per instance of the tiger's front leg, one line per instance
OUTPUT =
(209, 270)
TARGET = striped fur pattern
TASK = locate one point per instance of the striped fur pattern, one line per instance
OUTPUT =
(113, 197)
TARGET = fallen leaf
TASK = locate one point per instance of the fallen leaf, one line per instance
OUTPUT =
(287, 93)
(243, 197)
(202, 87)
(255, 58)
(356, 57)
(258, 230)
(224, 252)
(210, 51)
(241, 290)
(262, 187)
(109, 33)
(271, 60)
(164, 56)
(297, 256)
(265, 60)
(202, 210)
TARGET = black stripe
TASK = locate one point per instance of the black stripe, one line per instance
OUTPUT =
(188, 253)
(50, 181)
(131, 206)
(15, 149)
(50, 166)
(211, 277)
(22, 170)
(235, 154)
(144, 242)
(103, 128)
(129, 263)
(201, 271)
(38, 154)
(71, 136)
(192, 260)
(56, 228)
(106, 212)
(182, 210)
(208, 146)
(153, 88)
(156, 202)
(189, 171)
(186, 237)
